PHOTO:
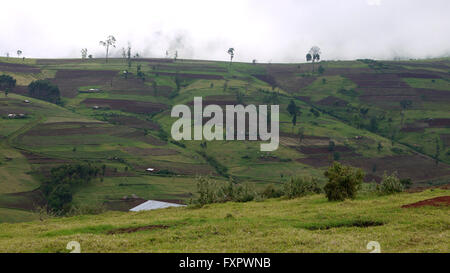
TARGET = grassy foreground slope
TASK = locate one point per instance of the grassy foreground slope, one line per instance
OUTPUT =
(309, 224)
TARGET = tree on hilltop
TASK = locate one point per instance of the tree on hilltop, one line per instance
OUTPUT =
(231, 52)
(110, 41)
(313, 55)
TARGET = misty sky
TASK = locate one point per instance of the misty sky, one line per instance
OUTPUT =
(276, 31)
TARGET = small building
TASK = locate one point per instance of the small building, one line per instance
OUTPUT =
(150, 170)
(153, 204)
(26, 101)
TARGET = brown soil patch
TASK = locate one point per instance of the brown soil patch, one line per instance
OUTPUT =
(267, 79)
(323, 150)
(332, 101)
(137, 107)
(416, 167)
(46, 130)
(380, 80)
(439, 122)
(433, 95)
(191, 67)
(29, 200)
(140, 136)
(150, 151)
(317, 161)
(123, 204)
(134, 122)
(38, 159)
(435, 202)
(418, 75)
(191, 76)
(69, 81)
(136, 229)
(19, 68)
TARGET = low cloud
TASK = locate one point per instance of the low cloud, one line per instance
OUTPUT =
(277, 31)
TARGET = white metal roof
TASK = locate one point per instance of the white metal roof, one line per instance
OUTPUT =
(152, 204)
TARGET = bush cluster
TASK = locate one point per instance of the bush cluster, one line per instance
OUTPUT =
(343, 182)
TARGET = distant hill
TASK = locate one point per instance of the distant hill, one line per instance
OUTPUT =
(377, 115)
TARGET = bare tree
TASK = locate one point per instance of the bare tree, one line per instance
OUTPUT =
(313, 55)
(175, 56)
(129, 54)
(110, 41)
(231, 52)
(19, 52)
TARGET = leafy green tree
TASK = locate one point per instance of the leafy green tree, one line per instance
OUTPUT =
(343, 182)
(293, 110)
(7, 83)
(44, 90)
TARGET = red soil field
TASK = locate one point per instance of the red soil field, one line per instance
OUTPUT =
(435, 202)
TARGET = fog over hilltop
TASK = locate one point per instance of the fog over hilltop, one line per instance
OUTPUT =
(268, 31)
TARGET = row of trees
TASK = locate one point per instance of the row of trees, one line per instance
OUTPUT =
(312, 56)
(18, 52)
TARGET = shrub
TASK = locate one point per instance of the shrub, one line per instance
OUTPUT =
(391, 184)
(406, 182)
(297, 187)
(343, 182)
(218, 192)
(271, 192)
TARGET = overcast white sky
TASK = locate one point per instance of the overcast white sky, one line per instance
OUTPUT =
(276, 30)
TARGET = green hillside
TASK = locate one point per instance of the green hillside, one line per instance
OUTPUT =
(376, 115)
(309, 224)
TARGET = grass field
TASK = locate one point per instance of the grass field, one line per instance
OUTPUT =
(126, 125)
(309, 224)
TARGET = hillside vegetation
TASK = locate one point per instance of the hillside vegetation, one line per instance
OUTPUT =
(381, 116)
(308, 224)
